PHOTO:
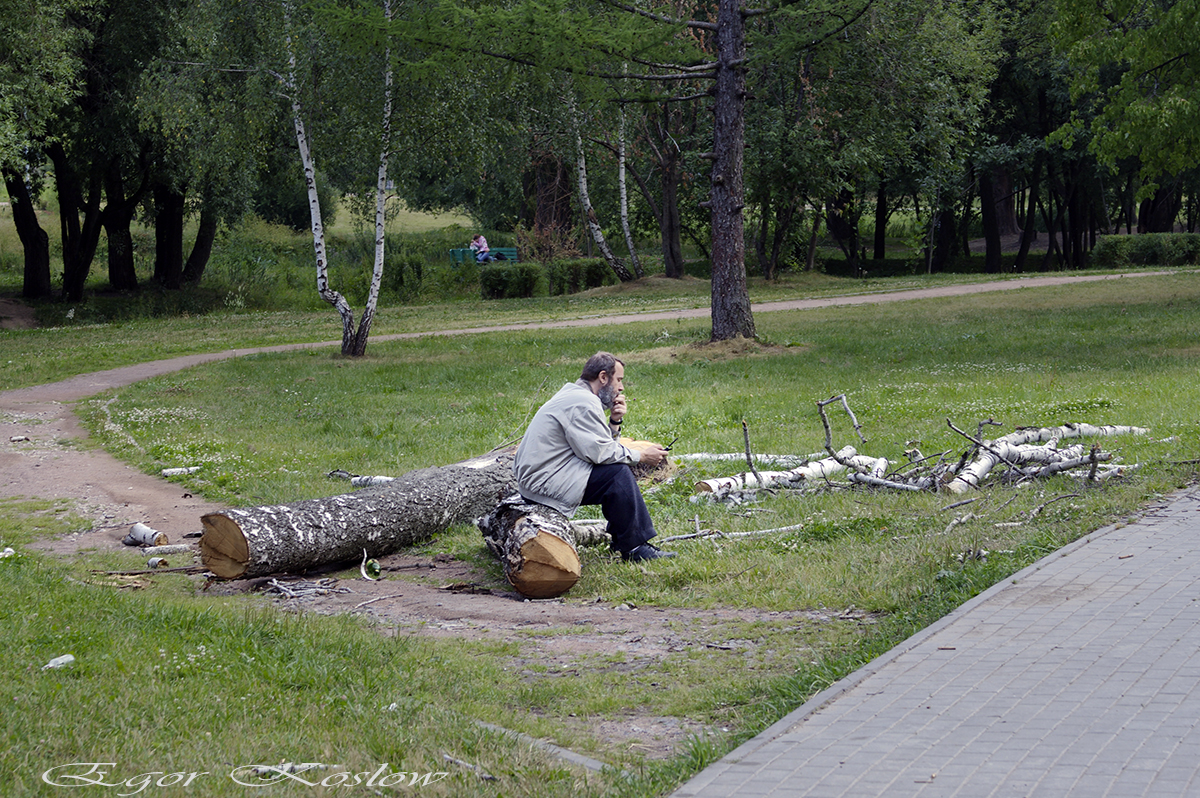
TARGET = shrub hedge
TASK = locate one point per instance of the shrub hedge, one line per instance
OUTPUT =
(500, 280)
(1146, 249)
(572, 275)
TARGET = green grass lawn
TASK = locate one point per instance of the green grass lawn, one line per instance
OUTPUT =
(168, 678)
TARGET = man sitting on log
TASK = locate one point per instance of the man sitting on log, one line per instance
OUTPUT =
(570, 456)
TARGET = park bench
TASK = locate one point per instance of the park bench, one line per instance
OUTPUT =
(466, 255)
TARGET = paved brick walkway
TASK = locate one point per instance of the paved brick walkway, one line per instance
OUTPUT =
(1079, 676)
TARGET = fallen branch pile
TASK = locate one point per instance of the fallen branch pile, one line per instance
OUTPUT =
(1028, 453)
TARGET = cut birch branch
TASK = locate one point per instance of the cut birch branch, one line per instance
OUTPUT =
(749, 456)
(257, 541)
(825, 420)
(1014, 449)
(713, 533)
(720, 487)
(360, 481)
(879, 482)
(174, 548)
(1054, 468)
(1044, 505)
(141, 535)
(785, 460)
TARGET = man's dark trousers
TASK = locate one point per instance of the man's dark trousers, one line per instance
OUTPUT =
(613, 487)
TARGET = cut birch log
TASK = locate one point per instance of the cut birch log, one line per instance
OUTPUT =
(536, 545)
(141, 535)
(256, 541)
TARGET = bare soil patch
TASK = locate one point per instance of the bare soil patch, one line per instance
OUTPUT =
(16, 315)
(710, 351)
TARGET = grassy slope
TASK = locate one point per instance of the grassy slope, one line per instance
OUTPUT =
(268, 427)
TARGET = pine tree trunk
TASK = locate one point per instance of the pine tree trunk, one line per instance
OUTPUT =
(731, 315)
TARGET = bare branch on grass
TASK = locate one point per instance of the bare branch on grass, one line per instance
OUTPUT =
(749, 456)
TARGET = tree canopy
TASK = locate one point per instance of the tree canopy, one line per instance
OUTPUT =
(1135, 63)
(736, 127)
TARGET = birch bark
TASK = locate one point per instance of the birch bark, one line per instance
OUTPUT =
(585, 202)
(256, 541)
(385, 139)
(334, 298)
(1014, 448)
(624, 194)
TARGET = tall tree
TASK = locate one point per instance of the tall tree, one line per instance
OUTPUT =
(1138, 62)
(595, 41)
(40, 66)
(354, 336)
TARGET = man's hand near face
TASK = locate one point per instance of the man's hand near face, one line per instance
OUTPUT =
(618, 409)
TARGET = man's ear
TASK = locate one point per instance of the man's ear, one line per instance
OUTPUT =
(603, 377)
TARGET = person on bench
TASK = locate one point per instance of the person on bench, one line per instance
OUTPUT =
(479, 246)
(571, 455)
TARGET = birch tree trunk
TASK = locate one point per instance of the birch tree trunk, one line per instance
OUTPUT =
(585, 202)
(621, 188)
(334, 298)
(256, 541)
(385, 138)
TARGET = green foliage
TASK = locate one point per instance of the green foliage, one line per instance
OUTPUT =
(282, 195)
(499, 280)
(572, 275)
(40, 67)
(1147, 249)
(1134, 64)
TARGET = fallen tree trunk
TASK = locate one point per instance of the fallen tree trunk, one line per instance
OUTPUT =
(256, 541)
(536, 545)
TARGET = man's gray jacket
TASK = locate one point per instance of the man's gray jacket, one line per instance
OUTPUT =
(567, 436)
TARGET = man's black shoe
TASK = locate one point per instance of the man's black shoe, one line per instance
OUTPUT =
(646, 552)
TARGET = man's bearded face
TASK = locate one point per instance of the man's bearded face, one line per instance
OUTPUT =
(607, 394)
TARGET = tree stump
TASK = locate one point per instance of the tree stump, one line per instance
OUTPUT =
(536, 545)
(256, 541)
